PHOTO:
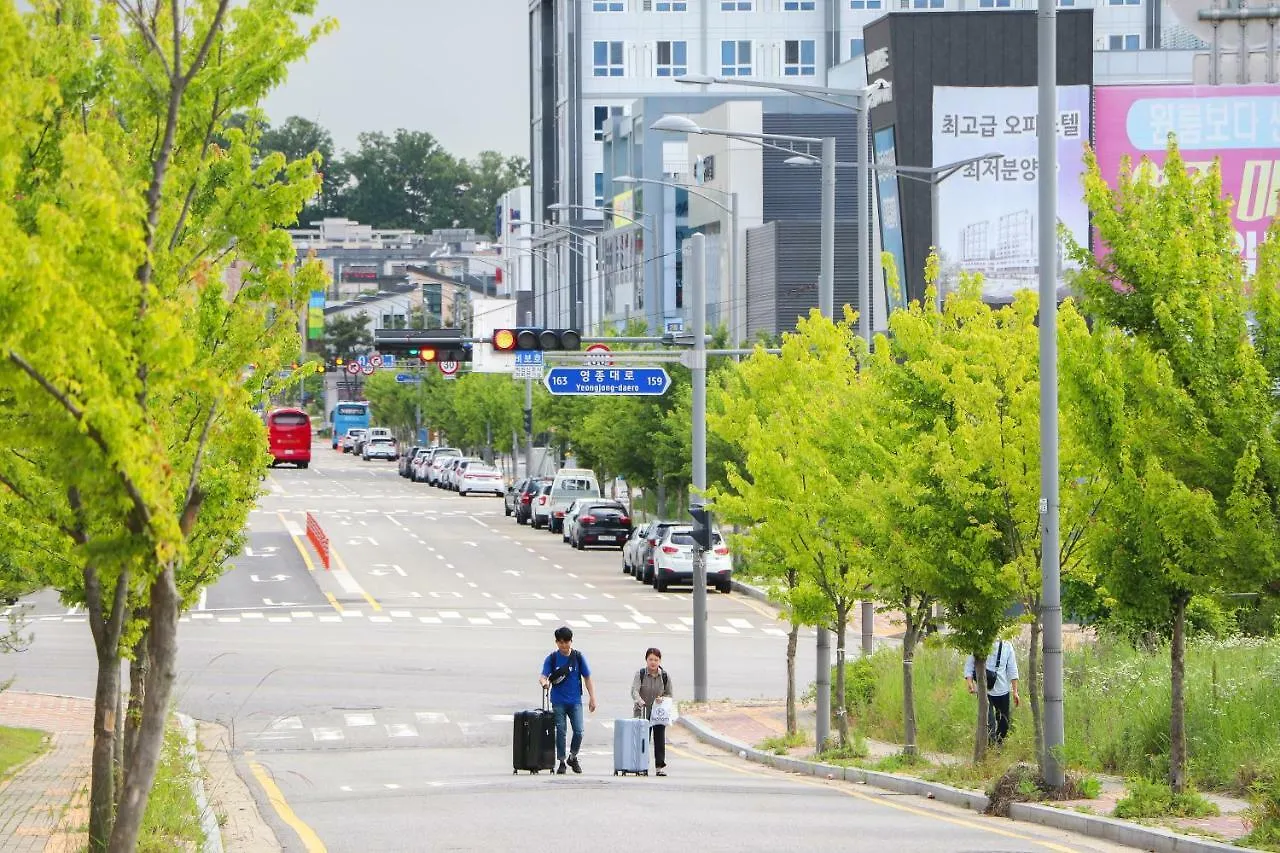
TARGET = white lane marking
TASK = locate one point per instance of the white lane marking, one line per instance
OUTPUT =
(400, 730)
(740, 623)
(774, 632)
(676, 626)
(391, 786)
(294, 528)
(595, 617)
(346, 581)
(430, 620)
(401, 572)
(379, 618)
(497, 614)
(429, 548)
(451, 566)
(479, 522)
(499, 718)
(530, 550)
(589, 585)
(473, 584)
(353, 614)
(450, 614)
(402, 614)
(302, 614)
(558, 566)
(688, 620)
(225, 618)
(279, 619)
(530, 623)
(558, 596)
(287, 724)
(430, 717)
(394, 521)
(579, 596)
(479, 620)
(641, 618)
(628, 626)
(608, 595)
(248, 552)
(576, 623)
(267, 736)
(346, 788)
(572, 575)
(550, 617)
(354, 720)
(725, 629)
(324, 733)
(251, 615)
(540, 557)
(330, 618)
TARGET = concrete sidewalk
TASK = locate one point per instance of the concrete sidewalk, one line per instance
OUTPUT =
(45, 805)
(754, 721)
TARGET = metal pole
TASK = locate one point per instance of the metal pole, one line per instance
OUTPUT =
(1051, 593)
(827, 268)
(823, 734)
(935, 233)
(528, 413)
(695, 275)
(864, 304)
(737, 290)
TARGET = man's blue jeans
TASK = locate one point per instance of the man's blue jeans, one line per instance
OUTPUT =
(574, 713)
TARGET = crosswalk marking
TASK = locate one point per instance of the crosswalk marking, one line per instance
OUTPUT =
(354, 720)
(430, 717)
(740, 623)
(530, 623)
(327, 733)
(725, 629)
(400, 730)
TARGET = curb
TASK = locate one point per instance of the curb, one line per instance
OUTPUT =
(208, 820)
(751, 591)
(1158, 840)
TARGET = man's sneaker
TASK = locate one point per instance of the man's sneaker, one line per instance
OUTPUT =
(662, 771)
(573, 762)
(561, 769)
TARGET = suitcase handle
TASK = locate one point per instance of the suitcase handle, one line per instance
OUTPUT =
(546, 698)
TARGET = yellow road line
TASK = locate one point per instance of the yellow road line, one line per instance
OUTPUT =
(302, 549)
(342, 564)
(333, 601)
(844, 789)
(310, 840)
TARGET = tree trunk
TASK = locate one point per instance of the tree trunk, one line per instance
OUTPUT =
(162, 642)
(1033, 682)
(1177, 721)
(980, 679)
(793, 637)
(842, 713)
(137, 696)
(909, 686)
(106, 629)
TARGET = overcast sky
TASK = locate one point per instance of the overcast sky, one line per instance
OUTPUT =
(458, 69)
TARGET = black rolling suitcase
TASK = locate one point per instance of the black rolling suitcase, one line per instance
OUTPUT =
(533, 746)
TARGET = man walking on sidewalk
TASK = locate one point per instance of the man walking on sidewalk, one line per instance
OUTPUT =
(1002, 681)
(565, 671)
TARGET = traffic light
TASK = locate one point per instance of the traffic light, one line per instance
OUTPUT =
(701, 525)
(524, 339)
(423, 345)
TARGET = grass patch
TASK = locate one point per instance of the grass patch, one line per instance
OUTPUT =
(172, 821)
(851, 753)
(1264, 816)
(782, 744)
(1117, 710)
(17, 746)
(899, 762)
(1150, 799)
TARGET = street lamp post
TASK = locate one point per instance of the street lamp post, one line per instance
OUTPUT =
(631, 219)
(735, 304)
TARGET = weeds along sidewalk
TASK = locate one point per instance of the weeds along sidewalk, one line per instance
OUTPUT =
(759, 726)
(43, 804)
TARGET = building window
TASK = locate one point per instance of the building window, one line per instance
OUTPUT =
(735, 58)
(797, 58)
(671, 6)
(735, 5)
(673, 58)
(857, 47)
(927, 4)
(798, 5)
(601, 116)
(994, 4)
(865, 4)
(1124, 2)
(1125, 42)
(1066, 2)
(599, 189)
(606, 60)
(608, 5)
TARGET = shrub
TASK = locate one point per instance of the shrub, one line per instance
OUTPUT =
(1147, 798)
(782, 744)
(1263, 817)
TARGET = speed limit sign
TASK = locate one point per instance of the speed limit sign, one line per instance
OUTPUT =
(448, 368)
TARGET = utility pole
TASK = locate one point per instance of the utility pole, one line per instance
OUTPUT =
(528, 413)
(695, 274)
(1051, 589)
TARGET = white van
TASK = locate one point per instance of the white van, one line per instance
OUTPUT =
(569, 485)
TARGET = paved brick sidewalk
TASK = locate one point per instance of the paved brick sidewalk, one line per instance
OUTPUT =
(47, 801)
(752, 721)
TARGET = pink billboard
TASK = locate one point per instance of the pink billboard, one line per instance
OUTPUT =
(1238, 125)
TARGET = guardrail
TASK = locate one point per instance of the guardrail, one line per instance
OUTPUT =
(318, 538)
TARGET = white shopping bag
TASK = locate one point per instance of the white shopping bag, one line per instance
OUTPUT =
(664, 712)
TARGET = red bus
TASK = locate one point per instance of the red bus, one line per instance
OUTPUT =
(289, 436)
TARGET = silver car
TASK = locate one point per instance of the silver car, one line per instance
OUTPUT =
(380, 448)
(673, 560)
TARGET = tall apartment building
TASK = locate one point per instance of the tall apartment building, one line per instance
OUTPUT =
(591, 59)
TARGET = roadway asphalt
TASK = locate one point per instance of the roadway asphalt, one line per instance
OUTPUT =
(378, 693)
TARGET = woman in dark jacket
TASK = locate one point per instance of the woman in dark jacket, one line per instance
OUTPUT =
(647, 686)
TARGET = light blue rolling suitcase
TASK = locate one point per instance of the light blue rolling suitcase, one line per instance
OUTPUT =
(631, 746)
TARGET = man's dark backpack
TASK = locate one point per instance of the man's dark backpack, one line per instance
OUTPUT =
(560, 673)
(993, 673)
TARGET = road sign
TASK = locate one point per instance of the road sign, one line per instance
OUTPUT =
(448, 368)
(602, 360)
(353, 367)
(362, 360)
(367, 369)
(625, 381)
(408, 378)
(528, 365)
(376, 360)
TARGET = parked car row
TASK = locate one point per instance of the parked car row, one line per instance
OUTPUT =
(371, 443)
(447, 468)
(659, 553)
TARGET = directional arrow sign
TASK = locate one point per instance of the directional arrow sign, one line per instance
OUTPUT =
(269, 603)
(623, 382)
(377, 573)
(511, 572)
(272, 579)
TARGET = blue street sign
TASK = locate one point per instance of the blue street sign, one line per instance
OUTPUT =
(408, 378)
(620, 381)
(528, 358)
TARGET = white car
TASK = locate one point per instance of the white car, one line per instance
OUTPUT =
(440, 459)
(349, 440)
(380, 448)
(479, 477)
(569, 485)
(673, 560)
(540, 507)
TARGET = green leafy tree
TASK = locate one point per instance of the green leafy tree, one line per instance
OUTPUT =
(406, 180)
(1177, 397)
(133, 196)
(488, 406)
(297, 138)
(488, 177)
(347, 336)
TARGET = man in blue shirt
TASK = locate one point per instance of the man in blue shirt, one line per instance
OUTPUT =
(1003, 661)
(565, 671)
